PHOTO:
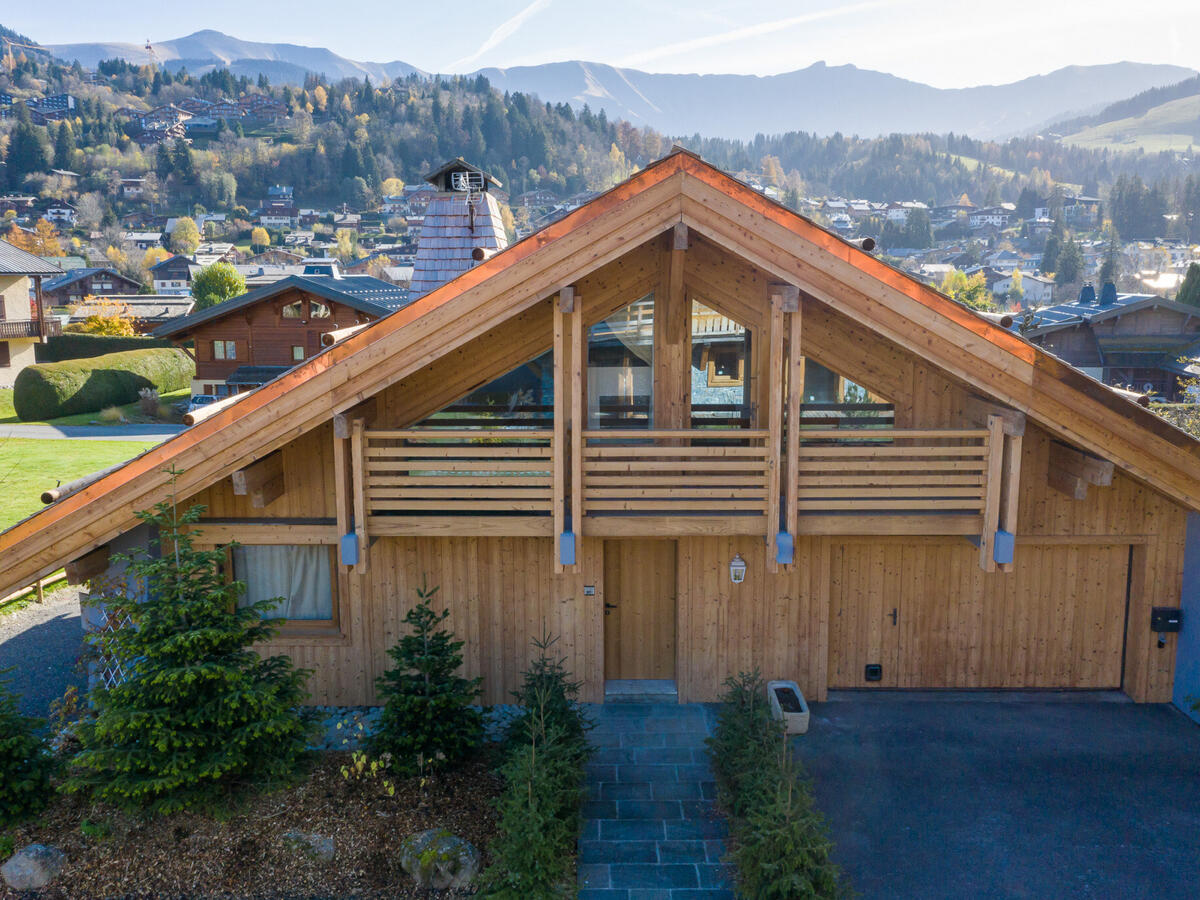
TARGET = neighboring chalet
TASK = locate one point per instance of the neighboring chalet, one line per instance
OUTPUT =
(23, 324)
(462, 226)
(75, 285)
(1133, 341)
(147, 311)
(173, 275)
(249, 340)
(530, 438)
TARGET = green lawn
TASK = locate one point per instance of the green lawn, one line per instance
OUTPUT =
(29, 466)
(131, 411)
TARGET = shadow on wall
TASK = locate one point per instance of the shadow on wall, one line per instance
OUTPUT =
(1187, 656)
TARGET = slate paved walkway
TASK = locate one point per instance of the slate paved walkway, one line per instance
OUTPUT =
(651, 831)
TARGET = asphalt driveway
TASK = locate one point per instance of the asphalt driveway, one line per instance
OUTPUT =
(1036, 795)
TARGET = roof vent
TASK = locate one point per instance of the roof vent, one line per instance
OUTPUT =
(321, 266)
(1087, 295)
(1108, 294)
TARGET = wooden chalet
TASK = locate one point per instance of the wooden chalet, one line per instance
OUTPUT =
(945, 505)
(246, 341)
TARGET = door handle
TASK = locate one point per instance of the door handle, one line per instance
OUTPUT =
(895, 616)
(609, 607)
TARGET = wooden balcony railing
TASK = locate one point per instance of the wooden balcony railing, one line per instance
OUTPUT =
(465, 472)
(870, 470)
(685, 472)
(29, 329)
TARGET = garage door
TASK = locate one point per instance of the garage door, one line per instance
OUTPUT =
(921, 614)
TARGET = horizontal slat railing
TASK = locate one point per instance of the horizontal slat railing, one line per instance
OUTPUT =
(897, 471)
(675, 472)
(465, 472)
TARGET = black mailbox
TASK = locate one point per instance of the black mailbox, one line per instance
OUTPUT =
(1164, 619)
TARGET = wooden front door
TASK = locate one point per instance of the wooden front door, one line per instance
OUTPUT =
(928, 617)
(639, 609)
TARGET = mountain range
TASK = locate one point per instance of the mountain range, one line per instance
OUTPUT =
(820, 98)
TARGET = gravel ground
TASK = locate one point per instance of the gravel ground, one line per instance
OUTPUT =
(42, 643)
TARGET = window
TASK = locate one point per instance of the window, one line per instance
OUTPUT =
(726, 368)
(3, 313)
(318, 310)
(293, 310)
(224, 350)
(5, 356)
(720, 349)
(620, 376)
(222, 390)
(297, 354)
(301, 575)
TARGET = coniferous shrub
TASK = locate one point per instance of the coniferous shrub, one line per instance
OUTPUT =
(780, 843)
(428, 721)
(545, 751)
(199, 714)
(25, 761)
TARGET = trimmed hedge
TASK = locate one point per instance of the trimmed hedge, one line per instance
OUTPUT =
(50, 390)
(781, 846)
(84, 346)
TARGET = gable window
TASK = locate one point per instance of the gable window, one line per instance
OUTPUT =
(620, 375)
(224, 350)
(318, 310)
(301, 575)
(293, 310)
(297, 354)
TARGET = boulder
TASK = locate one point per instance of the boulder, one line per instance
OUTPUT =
(314, 846)
(439, 860)
(33, 867)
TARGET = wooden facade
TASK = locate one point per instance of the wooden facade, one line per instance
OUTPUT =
(1010, 528)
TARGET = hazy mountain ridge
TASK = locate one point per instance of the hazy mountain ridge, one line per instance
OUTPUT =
(820, 98)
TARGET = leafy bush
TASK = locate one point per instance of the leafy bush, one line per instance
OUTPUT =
(781, 846)
(199, 714)
(49, 390)
(546, 748)
(428, 721)
(25, 761)
(84, 346)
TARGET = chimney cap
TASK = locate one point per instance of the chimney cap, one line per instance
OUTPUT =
(1108, 294)
(1087, 294)
(441, 177)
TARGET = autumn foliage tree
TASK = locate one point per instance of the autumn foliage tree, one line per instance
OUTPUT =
(42, 241)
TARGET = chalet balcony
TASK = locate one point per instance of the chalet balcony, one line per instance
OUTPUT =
(30, 329)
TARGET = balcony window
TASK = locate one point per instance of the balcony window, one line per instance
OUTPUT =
(620, 375)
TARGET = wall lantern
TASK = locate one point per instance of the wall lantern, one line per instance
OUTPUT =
(737, 569)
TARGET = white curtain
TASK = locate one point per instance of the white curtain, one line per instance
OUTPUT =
(300, 575)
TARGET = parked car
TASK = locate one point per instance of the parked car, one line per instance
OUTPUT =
(199, 400)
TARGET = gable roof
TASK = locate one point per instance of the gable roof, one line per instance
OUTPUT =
(77, 274)
(677, 188)
(363, 293)
(15, 261)
(1067, 315)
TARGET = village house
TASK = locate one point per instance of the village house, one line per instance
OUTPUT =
(146, 311)
(246, 341)
(527, 437)
(71, 288)
(1132, 341)
(173, 275)
(24, 323)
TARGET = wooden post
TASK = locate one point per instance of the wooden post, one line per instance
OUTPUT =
(774, 426)
(991, 503)
(1012, 487)
(358, 462)
(578, 422)
(343, 488)
(795, 390)
(672, 344)
(560, 453)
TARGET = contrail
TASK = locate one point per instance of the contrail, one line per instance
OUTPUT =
(726, 37)
(503, 32)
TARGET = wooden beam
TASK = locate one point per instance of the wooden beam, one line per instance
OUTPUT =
(978, 409)
(88, 566)
(786, 295)
(341, 426)
(1065, 483)
(679, 237)
(578, 424)
(566, 299)
(992, 488)
(358, 465)
(561, 460)
(262, 480)
(1092, 469)
(774, 425)
(795, 394)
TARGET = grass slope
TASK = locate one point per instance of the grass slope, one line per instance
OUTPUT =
(1172, 126)
(29, 466)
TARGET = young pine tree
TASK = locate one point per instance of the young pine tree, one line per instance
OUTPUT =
(24, 760)
(199, 713)
(428, 721)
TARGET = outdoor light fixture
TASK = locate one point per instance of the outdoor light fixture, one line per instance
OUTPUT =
(737, 569)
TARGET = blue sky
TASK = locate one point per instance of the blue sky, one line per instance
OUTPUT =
(947, 43)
